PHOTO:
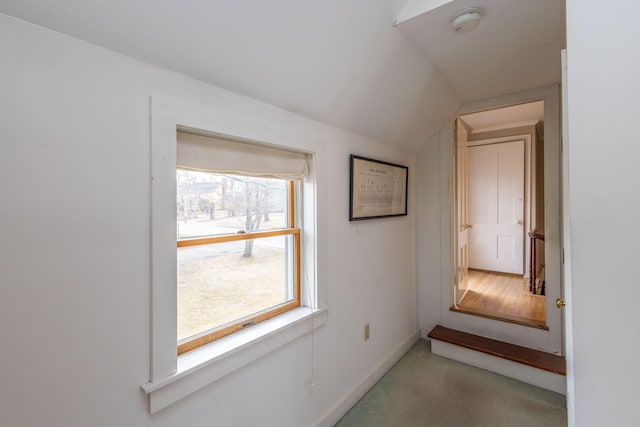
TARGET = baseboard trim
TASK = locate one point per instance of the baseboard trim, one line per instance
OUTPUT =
(351, 398)
(518, 371)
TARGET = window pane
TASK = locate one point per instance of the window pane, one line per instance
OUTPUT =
(214, 204)
(223, 282)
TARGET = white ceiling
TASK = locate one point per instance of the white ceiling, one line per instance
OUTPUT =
(516, 46)
(341, 62)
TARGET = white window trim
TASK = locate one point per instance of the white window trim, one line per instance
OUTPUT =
(174, 377)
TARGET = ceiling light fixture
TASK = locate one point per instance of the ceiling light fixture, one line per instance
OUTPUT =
(466, 20)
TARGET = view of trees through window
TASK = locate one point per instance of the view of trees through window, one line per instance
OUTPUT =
(212, 204)
(219, 283)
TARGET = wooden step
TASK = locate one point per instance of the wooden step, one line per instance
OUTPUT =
(515, 353)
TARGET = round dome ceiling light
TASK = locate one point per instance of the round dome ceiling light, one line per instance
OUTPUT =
(466, 20)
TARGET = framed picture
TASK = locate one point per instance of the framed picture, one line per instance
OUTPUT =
(378, 189)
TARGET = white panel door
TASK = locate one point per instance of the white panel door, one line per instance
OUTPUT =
(496, 207)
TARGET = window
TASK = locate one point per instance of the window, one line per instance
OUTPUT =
(238, 244)
(238, 253)
(281, 153)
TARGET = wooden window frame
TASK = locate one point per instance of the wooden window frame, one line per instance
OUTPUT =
(211, 335)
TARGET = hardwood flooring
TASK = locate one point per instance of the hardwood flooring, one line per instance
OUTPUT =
(504, 297)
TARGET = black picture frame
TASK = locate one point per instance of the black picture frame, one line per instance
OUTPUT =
(377, 189)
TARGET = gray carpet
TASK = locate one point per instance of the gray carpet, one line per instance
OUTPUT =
(423, 389)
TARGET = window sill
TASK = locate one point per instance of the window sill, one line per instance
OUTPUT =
(205, 365)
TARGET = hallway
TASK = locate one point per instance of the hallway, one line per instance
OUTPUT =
(424, 389)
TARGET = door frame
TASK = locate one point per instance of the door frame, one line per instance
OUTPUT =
(552, 340)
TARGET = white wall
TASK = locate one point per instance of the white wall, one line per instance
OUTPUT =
(603, 145)
(75, 251)
(433, 205)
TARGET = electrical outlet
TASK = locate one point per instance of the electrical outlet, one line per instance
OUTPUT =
(366, 332)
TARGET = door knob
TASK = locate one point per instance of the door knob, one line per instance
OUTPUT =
(560, 303)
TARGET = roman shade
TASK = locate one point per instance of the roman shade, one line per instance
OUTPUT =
(211, 154)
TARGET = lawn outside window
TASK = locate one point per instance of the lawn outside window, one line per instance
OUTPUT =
(238, 254)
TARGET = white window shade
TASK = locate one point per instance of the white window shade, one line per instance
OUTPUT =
(210, 154)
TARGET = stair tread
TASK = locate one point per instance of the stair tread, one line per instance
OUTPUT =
(515, 353)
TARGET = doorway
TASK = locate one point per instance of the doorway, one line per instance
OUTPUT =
(499, 197)
(450, 269)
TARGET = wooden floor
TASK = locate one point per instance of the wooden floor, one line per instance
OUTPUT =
(503, 296)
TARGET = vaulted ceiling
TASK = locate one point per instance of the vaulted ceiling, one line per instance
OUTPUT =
(393, 70)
